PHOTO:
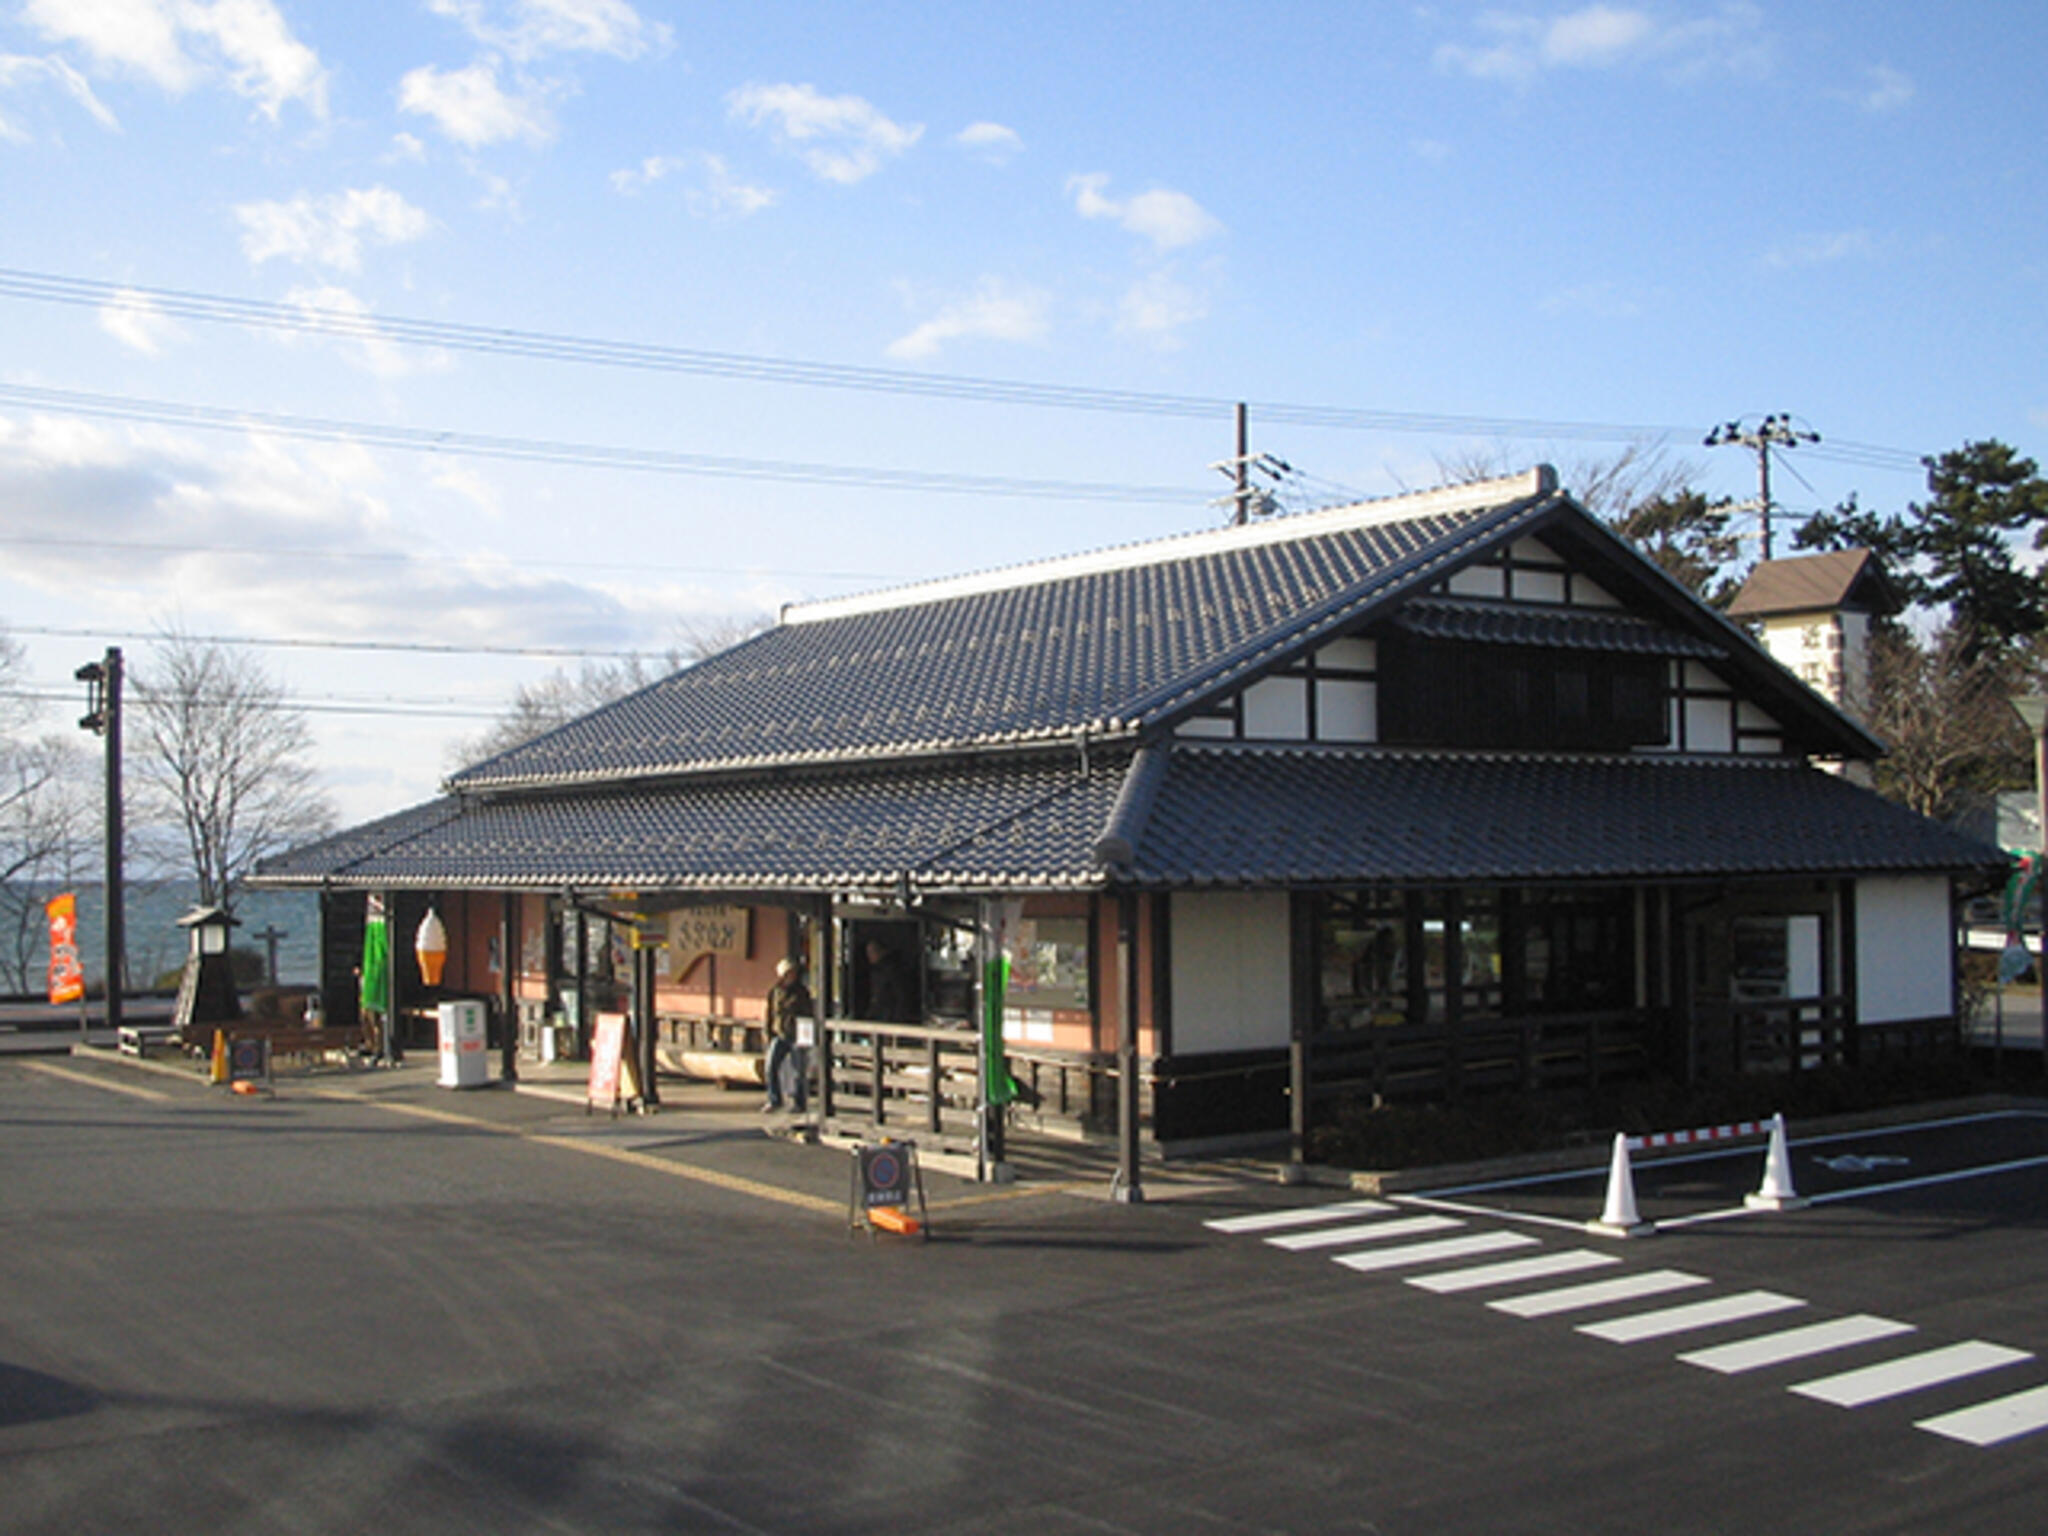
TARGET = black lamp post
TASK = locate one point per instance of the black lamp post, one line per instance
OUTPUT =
(102, 681)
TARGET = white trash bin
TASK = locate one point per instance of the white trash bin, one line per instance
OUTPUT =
(465, 1063)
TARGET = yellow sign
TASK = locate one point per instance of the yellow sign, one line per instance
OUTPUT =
(697, 931)
(67, 975)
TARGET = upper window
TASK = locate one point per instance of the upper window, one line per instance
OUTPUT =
(1438, 693)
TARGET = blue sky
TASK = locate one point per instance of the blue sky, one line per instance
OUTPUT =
(1654, 216)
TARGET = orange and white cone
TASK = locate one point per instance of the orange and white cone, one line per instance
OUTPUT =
(1776, 1192)
(1621, 1218)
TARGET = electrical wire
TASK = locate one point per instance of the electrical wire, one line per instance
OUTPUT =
(309, 319)
(579, 455)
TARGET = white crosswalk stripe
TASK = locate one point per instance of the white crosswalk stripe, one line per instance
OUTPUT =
(1598, 1293)
(1297, 1216)
(1371, 1236)
(1796, 1344)
(1429, 1253)
(1995, 1422)
(1661, 1324)
(1540, 1266)
(1365, 1232)
(1913, 1373)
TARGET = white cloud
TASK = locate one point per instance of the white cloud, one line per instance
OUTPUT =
(329, 231)
(346, 321)
(1168, 219)
(1822, 249)
(1886, 89)
(254, 531)
(1158, 306)
(179, 44)
(991, 141)
(406, 149)
(134, 320)
(841, 138)
(470, 107)
(21, 69)
(713, 192)
(994, 312)
(537, 27)
(1518, 47)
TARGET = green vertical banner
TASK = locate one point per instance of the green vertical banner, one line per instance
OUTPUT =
(376, 958)
(995, 1063)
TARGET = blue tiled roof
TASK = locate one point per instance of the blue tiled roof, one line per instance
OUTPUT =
(1193, 816)
(1099, 652)
(1016, 822)
(1271, 816)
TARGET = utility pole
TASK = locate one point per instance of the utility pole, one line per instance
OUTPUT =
(1246, 499)
(1773, 431)
(103, 715)
(1242, 466)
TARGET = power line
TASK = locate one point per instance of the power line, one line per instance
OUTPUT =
(308, 644)
(402, 557)
(392, 708)
(579, 455)
(184, 304)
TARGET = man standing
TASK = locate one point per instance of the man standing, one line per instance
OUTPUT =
(782, 1069)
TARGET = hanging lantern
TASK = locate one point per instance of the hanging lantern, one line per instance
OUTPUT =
(430, 944)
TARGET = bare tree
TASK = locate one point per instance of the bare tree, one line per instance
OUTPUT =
(1609, 486)
(47, 822)
(562, 695)
(1940, 706)
(222, 758)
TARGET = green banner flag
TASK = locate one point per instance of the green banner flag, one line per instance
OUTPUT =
(995, 1063)
(376, 958)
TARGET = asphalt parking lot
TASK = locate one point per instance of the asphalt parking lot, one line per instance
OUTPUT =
(395, 1309)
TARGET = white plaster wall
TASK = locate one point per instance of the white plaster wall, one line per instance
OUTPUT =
(1230, 971)
(1905, 946)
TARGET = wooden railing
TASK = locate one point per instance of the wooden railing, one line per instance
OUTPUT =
(911, 1080)
(1429, 1061)
(1788, 1034)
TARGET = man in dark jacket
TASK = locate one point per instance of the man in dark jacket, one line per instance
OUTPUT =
(783, 1070)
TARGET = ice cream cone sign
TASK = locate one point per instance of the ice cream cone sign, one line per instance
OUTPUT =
(431, 945)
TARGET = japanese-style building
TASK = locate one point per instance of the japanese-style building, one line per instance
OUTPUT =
(1416, 798)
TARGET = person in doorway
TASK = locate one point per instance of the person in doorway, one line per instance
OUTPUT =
(783, 1069)
(890, 1000)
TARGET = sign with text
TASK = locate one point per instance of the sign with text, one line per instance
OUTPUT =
(67, 975)
(607, 1058)
(698, 931)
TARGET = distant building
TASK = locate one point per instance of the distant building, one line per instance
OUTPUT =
(1815, 614)
(1417, 798)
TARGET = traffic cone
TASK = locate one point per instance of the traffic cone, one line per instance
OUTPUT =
(220, 1056)
(1776, 1192)
(1620, 1218)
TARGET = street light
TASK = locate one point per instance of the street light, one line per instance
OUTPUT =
(102, 681)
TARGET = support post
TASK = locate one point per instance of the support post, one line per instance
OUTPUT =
(1130, 1187)
(508, 986)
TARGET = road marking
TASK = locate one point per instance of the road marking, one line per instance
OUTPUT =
(1912, 1373)
(725, 1181)
(1993, 1423)
(1796, 1344)
(1371, 1259)
(1493, 1213)
(1599, 1293)
(69, 1076)
(1699, 1314)
(1269, 1221)
(1508, 1271)
(1337, 1237)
